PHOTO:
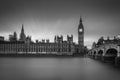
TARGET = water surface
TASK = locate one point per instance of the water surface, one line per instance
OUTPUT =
(56, 69)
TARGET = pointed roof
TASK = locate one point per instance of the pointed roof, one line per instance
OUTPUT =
(80, 24)
(22, 34)
(22, 28)
(80, 19)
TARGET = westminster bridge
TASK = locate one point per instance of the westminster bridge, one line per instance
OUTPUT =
(106, 50)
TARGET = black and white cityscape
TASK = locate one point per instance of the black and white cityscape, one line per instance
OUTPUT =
(25, 46)
(59, 40)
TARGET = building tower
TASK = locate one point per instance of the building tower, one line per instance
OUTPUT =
(81, 35)
(22, 34)
(55, 39)
(15, 36)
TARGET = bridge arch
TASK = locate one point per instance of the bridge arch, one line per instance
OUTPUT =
(111, 52)
(94, 52)
(100, 52)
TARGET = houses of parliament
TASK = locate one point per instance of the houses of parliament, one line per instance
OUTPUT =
(24, 45)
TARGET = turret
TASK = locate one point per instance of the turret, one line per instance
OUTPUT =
(60, 39)
(70, 39)
(55, 39)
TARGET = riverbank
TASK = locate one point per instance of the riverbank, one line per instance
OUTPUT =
(39, 55)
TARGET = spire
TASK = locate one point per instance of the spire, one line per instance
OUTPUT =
(22, 28)
(80, 23)
(80, 19)
(22, 34)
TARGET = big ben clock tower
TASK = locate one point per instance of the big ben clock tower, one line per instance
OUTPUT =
(81, 35)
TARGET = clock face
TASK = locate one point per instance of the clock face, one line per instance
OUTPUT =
(80, 30)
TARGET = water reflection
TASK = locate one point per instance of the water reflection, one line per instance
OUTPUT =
(56, 69)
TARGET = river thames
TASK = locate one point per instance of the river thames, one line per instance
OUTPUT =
(32, 68)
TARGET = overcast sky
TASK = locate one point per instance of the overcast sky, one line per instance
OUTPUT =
(47, 18)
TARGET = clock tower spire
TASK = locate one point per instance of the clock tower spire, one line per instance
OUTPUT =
(81, 34)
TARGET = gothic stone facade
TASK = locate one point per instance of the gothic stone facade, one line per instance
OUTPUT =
(20, 47)
(58, 47)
